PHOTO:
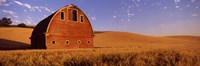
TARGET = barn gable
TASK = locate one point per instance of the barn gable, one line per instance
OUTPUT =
(70, 6)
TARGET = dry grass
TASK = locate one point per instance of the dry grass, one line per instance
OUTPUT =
(16, 34)
(102, 57)
(138, 50)
(125, 39)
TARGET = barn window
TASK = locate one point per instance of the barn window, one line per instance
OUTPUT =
(81, 18)
(53, 42)
(74, 15)
(88, 42)
(62, 15)
(78, 42)
(67, 42)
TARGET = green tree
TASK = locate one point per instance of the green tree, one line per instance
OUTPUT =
(5, 21)
(21, 25)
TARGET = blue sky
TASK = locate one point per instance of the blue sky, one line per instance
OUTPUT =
(148, 17)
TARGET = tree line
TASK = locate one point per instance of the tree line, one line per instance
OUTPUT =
(6, 22)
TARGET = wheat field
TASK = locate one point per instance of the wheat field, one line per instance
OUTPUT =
(102, 57)
(111, 49)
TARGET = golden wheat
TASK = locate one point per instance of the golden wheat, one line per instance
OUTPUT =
(102, 57)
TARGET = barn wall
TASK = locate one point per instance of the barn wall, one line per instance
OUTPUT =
(38, 34)
(61, 31)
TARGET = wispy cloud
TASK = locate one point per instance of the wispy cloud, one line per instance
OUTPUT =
(4, 3)
(28, 22)
(177, 6)
(11, 13)
(165, 8)
(15, 16)
(27, 6)
(8, 12)
(17, 21)
(23, 4)
(114, 16)
(17, 2)
(45, 8)
(177, 1)
(93, 18)
(194, 15)
(33, 8)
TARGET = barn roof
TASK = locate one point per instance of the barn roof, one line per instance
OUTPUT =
(42, 26)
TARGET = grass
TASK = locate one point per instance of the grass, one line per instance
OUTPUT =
(102, 57)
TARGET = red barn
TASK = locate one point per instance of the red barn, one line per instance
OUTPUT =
(68, 27)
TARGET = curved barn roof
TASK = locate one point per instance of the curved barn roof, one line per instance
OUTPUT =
(42, 27)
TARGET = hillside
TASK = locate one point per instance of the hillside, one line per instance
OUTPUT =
(15, 37)
(125, 39)
(191, 38)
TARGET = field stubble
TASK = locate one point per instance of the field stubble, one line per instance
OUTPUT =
(102, 57)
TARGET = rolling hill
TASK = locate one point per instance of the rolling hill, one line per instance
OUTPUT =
(19, 37)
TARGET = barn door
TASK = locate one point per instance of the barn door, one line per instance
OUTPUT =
(41, 42)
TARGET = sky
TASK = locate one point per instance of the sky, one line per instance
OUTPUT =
(147, 17)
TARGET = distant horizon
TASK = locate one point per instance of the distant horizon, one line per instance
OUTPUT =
(153, 18)
(127, 32)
